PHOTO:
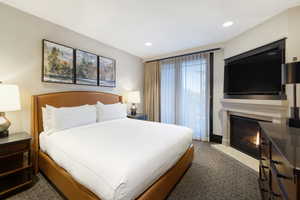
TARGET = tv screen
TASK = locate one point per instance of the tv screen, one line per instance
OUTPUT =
(259, 74)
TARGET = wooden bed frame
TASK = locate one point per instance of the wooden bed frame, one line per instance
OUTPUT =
(62, 180)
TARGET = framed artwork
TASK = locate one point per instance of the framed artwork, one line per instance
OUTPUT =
(86, 68)
(107, 72)
(58, 63)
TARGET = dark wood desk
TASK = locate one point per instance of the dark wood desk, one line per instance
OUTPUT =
(279, 172)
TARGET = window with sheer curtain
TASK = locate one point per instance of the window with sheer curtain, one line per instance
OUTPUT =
(185, 93)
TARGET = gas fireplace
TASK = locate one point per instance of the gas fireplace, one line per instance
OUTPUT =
(244, 135)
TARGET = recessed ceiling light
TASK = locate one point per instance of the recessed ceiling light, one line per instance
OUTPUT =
(148, 44)
(227, 24)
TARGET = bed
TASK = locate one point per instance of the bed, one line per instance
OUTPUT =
(74, 187)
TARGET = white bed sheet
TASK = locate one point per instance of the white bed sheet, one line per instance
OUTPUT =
(118, 159)
(43, 141)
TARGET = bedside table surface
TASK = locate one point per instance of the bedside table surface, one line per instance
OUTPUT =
(15, 137)
(137, 115)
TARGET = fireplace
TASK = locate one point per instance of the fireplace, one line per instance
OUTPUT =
(244, 135)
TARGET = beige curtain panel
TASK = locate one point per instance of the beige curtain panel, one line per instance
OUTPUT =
(152, 91)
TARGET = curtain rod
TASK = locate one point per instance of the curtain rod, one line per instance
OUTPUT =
(187, 54)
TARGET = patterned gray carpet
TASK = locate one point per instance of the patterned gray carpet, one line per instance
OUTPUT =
(212, 176)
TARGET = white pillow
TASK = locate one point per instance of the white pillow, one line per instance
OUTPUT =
(46, 119)
(106, 112)
(69, 117)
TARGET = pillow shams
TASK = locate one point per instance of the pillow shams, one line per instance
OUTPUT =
(69, 117)
(46, 121)
(106, 112)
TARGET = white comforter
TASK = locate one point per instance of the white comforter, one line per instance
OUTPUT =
(118, 159)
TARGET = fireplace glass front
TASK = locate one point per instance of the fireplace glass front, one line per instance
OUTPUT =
(244, 135)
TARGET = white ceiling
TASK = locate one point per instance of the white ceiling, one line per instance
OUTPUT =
(171, 25)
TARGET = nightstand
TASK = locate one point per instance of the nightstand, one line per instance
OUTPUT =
(139, 116)
(16, 167)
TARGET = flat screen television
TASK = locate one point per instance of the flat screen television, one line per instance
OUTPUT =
(257, 74)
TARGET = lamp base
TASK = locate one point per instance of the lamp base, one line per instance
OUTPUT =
(294, 123)
(4, 134)
(133, 109)
(4, 125)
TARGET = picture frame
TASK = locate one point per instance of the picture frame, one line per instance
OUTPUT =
(107, 72)
(64, 64)
(87, 68)
(58, 63)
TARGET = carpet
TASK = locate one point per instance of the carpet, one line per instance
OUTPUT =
(212, 176)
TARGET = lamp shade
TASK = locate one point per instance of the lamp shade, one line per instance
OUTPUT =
(9, 98)
(292, 73)
(134, 97)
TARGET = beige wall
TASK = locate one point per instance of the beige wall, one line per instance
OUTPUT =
(273, 29)
(293, 42)
(283, 25)
(21, 60)
(218, 91)
(293, 45)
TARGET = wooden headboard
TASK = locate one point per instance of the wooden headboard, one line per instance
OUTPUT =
(63, 99)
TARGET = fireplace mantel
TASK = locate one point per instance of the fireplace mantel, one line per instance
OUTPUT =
(268, 108)
(275, 111)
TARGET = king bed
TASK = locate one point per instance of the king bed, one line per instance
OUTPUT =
(112, 160)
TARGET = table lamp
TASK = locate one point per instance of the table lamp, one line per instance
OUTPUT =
(134, 97)
(292, 76)
(9, 101)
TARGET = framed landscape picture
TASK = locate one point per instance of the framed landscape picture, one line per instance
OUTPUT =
(107, 72)
(86, 68)
(58, 63)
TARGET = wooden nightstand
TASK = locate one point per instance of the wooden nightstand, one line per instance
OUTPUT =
(16, 167)
(139, 116)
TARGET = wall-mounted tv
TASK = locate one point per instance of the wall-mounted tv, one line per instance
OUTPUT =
(256, 74)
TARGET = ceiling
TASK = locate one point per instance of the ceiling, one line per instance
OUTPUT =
(170, 25)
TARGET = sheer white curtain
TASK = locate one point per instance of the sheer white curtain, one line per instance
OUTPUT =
(185, 93)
